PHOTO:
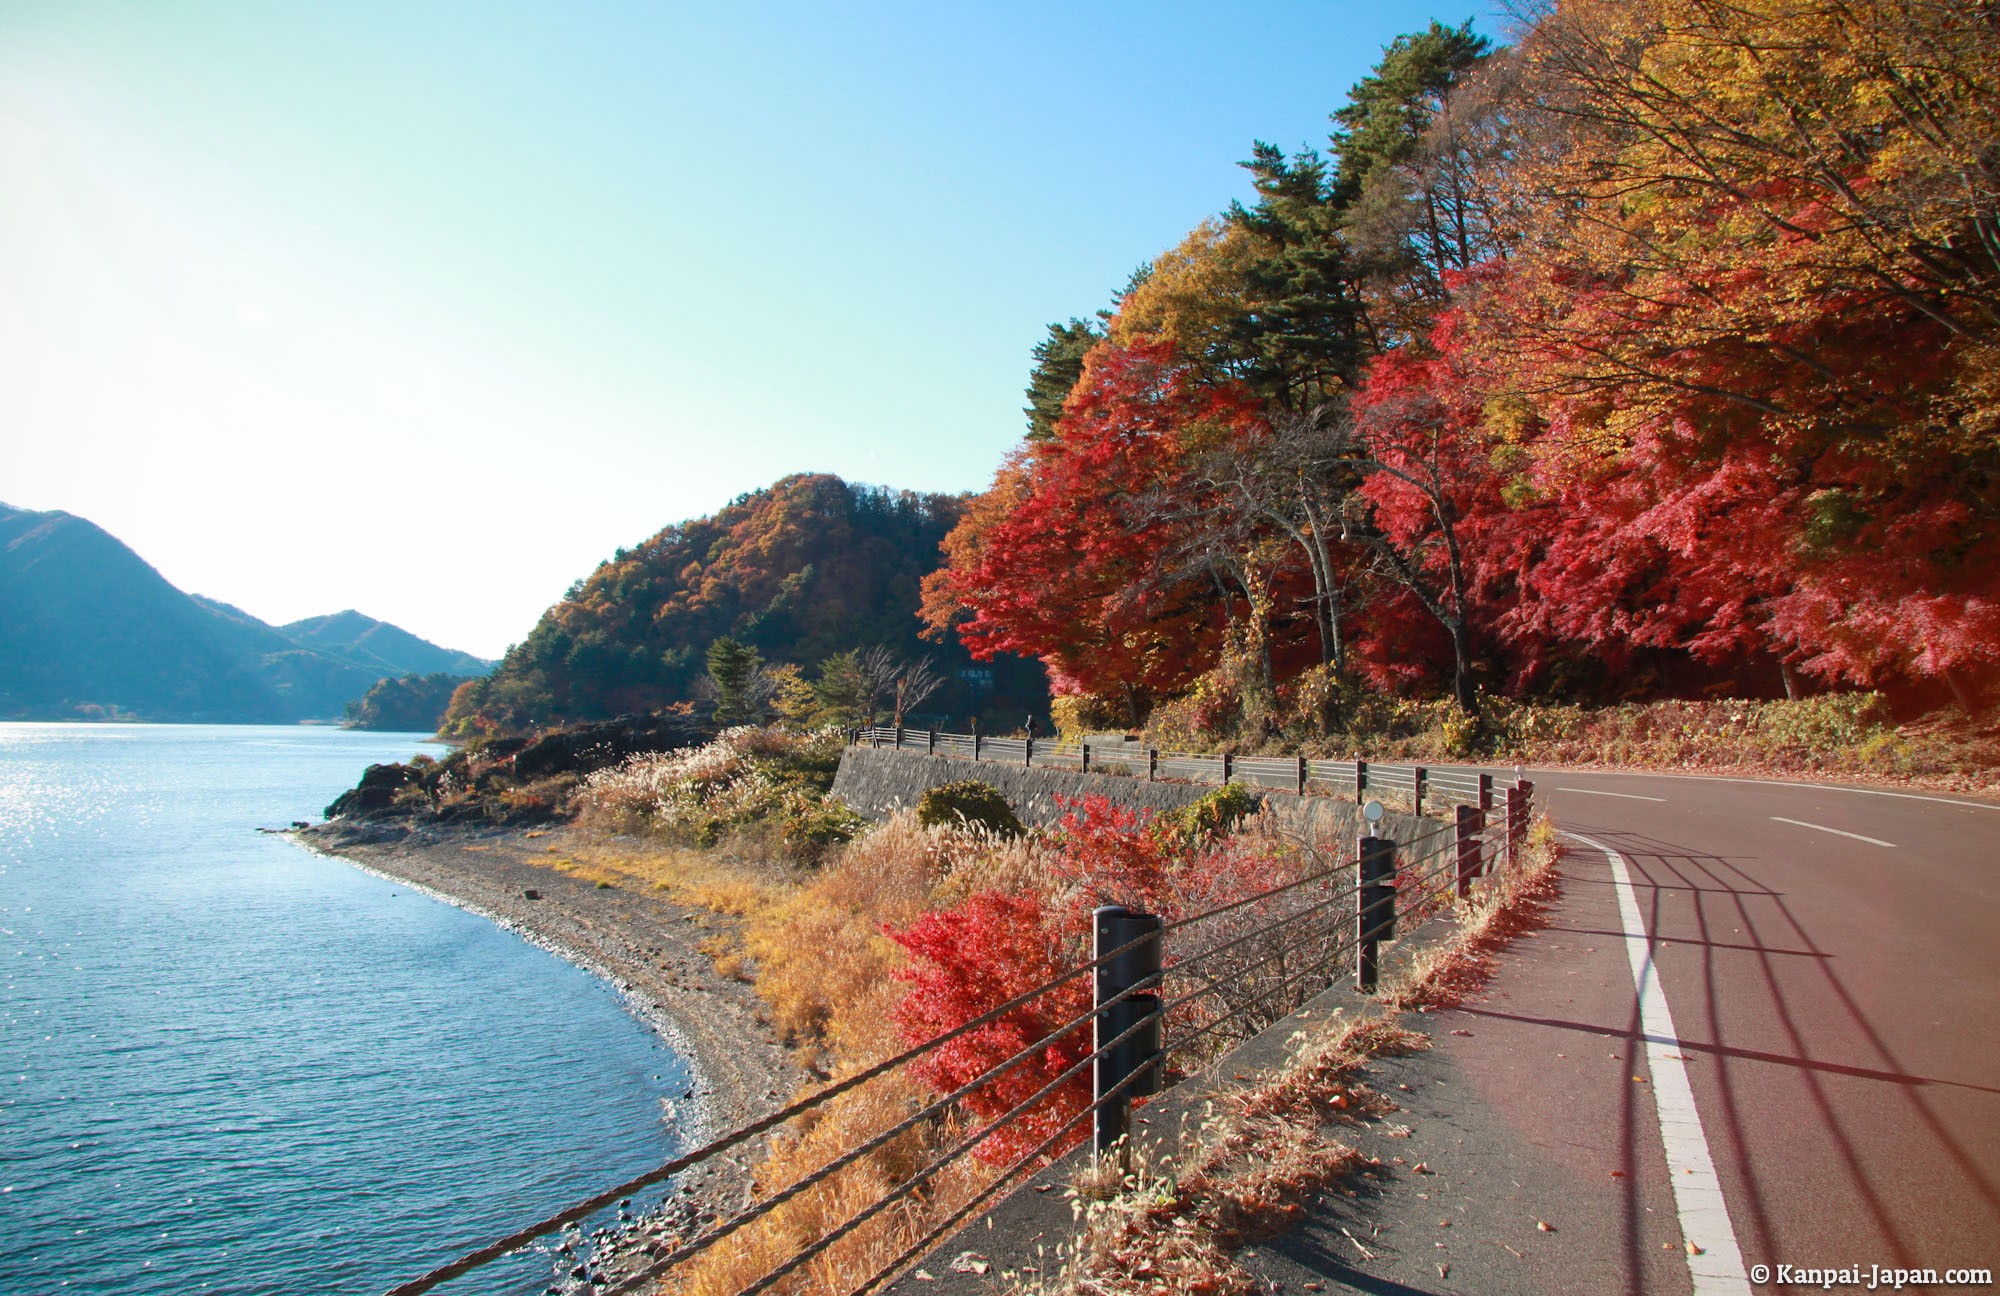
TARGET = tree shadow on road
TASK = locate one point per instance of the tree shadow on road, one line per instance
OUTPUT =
(1812, 1010)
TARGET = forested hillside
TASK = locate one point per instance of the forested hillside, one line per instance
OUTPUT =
(799, 573)
(1657, 355)
(405, 703)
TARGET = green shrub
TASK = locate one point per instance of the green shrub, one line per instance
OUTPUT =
(1212, 816)
(814, 825)
(971, 803)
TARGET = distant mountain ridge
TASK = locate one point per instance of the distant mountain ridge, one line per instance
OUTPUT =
(90, 630)
(368, 642)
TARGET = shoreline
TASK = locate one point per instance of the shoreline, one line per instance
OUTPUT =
(641, 944)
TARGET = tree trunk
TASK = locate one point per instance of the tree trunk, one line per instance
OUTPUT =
(1461, 670)
(1962, 691)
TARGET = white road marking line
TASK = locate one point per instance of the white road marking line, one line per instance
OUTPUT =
(1698, 1200)
(1629, 796)
(1872, 841)
(1782, 783)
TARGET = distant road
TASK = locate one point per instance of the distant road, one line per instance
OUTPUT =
(1829, 958)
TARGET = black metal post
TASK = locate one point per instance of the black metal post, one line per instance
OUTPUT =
(1086, 757)
(1517, 826)
(1418, 777)
(1228, 766)
(1152, 764)
(1485, 792)
(1028, 751)
(1375, 905)
(1471, 820)
(1115, 926)
(1360, 779)
(933, 746)
(1304, 772)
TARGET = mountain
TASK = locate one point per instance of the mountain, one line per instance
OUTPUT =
(89, 630)
(806, 568)
(378, 645)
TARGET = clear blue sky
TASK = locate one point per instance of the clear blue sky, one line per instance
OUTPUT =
(425, 308)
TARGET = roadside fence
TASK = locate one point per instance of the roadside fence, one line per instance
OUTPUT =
(1411, 787)
(1164, 999)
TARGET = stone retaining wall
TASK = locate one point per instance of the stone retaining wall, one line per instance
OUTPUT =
(879, 781)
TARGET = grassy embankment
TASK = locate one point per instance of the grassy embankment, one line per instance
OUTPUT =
(739, 828)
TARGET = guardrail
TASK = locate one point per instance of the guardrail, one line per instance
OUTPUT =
(1415, 786)
(1167, 998)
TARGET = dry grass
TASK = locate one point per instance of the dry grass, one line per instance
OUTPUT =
(760, 791)
(1844, 735)
(812, 942)
(1511, 903)
(1260, 1156)
(695, 878)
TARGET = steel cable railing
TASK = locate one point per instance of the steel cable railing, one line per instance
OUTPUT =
(1116, 1093)
(903, 1189)
(1327, 964)
(735, 1138)
(1233, 972)
(1210, 1027)
(937, 1165)
(751, 1214)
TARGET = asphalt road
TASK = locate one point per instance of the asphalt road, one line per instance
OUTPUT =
(1761, 1027)
(1831, 961)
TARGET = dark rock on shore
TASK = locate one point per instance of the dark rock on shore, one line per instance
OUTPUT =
(585, 748)
(376, 792)
(509, 780)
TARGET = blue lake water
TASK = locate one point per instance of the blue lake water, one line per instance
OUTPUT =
(228, 1065)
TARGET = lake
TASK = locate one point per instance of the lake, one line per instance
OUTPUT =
(229, 1065)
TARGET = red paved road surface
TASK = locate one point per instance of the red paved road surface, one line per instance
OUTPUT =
(1831, 960)
(1838, 999)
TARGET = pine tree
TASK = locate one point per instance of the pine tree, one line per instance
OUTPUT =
(735, 670)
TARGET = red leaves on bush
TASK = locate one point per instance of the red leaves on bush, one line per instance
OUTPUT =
(970, 959)
(967, 961)
(1109, 855)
